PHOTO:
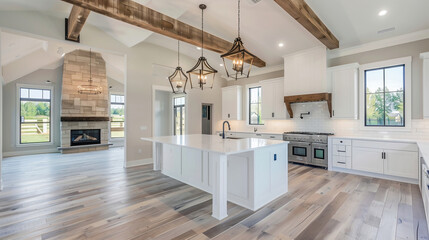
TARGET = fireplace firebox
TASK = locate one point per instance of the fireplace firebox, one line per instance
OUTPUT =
(85, 137)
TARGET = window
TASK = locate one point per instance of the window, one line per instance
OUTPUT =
(35, 115)
(117, 115)
(179, 116)
(385, 96)
(255, 106)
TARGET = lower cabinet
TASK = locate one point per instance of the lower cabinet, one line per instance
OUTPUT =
(367, 159)
(401, 163)
(388, 158)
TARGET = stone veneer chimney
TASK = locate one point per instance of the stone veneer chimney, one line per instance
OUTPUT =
(81, 111)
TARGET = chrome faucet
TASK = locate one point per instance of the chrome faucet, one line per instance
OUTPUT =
(223, 128)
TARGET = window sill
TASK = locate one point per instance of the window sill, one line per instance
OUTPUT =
(23, 145)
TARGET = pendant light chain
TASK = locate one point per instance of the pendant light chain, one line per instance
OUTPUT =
(238, 18)
(178, 53)
(90, 66)
(202, 32)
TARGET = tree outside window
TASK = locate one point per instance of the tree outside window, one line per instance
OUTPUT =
(384, 102)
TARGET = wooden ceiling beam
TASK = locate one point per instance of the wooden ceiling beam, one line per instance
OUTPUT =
(75, 22)
(138, 15)
(302, 13)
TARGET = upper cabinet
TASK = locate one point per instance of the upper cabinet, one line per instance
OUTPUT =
(425, 57)
(273, 106)
(232, 103)
(344, 82)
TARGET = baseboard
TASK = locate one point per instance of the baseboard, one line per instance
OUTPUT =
(29, 152)
(140, 162)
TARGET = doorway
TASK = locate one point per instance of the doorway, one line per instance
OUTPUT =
(179, 115)
(206, 118)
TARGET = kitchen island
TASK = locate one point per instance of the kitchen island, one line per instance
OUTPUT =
(249, 172)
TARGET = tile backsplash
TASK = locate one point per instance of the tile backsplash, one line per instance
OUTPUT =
(319, 121)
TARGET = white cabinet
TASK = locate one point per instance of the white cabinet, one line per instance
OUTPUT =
(388, 158)
(344, 83)
(342, 153)
(368, 160)
(232, 103)
(172, 164)
(425, 57)
(272, 99)
(401, 163)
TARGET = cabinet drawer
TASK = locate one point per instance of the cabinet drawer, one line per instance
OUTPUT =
(342, 150)
(272, 136)
(339, 141)
(412, 147)
(342, 162)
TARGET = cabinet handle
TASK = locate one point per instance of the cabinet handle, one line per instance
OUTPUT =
(341, 151)
(427, 186)
(333, 113)
(272, 114)
(382, 155)
(272, 137)
(341, 162)
(229, 115)
(258, 135)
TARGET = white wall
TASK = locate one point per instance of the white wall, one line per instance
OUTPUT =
(163, 114)
(138, 86)
(1, 120)
(10, 111)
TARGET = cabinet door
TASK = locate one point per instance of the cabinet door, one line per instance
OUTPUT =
(238, 176)
(268, 104)
(227, 103)
(192, 167)
(172, 161)
(278, 168)
(367, 159)
(344, 93)
(280, 107)
(401, 164)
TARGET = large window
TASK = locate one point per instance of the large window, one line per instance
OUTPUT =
(35, 115)
(385, 97)
(255, 106)
(117, 116)
(179, 115)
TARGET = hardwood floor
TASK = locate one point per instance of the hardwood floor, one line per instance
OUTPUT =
(90, 196)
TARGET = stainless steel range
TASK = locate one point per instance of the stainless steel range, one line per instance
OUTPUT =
(308, 147)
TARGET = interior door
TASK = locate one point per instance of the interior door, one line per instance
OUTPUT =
(206, 123)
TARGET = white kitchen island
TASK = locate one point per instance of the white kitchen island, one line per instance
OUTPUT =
(249, 172)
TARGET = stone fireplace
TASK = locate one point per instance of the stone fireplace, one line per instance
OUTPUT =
(84, 117)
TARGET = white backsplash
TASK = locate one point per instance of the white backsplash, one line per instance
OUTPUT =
(319, 121)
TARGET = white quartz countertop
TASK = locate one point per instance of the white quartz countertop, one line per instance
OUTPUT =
(380, 138)
(214, 143)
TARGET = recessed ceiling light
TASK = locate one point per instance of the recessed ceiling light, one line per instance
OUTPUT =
(221, 65)
(198, 48)
(382, 13)
(281, 44)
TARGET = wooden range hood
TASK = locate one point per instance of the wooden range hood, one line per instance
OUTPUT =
(317, 97)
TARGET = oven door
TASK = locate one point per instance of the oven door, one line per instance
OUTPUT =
(299, 152)
(319, 154)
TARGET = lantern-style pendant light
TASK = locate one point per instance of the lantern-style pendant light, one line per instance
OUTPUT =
(239, 56)
(202, 71)
(89, 89)
(178, 79)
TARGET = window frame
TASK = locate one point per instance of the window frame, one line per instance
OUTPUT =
(18, 115)
(248, 105)
(384, 96)
(407, 63)
(110, 114)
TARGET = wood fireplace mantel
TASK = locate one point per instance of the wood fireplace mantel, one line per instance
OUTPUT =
(317, 97)
(85, 119)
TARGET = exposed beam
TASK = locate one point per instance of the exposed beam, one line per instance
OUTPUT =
(302, 13)
(76, 21)
(138, 15)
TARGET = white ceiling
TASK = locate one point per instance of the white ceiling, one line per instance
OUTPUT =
(264, 24)
(357, 22)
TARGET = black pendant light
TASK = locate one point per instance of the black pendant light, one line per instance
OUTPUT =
(202, 72)
(178, 79)
(239, 56)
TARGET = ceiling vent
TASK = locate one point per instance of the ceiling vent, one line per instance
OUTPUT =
(255, 1)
